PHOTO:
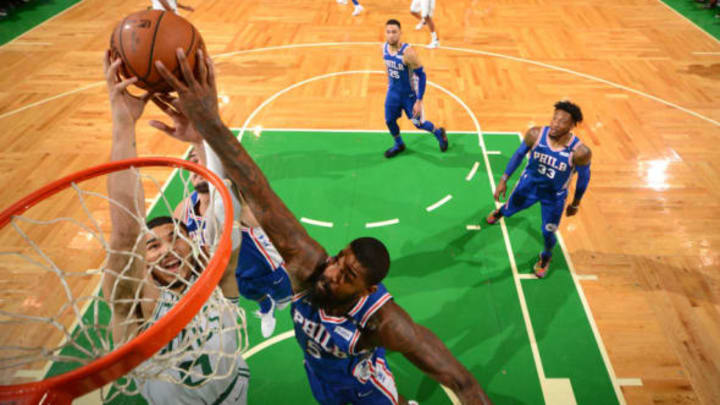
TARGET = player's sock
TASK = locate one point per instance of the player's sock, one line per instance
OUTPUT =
(398, 141)
(427, 126)
(355, 2)
(394, 128)
(433, 36)
(265, 304)
(545, 258)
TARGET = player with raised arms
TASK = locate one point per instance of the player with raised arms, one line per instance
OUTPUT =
(343, 315)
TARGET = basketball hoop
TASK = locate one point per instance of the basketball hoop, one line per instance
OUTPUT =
(62, 389)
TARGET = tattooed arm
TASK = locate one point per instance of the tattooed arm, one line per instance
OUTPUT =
(197, 99)
(392, 328)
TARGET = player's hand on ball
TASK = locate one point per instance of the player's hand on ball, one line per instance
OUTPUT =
(197, 96)
(182, 129)
(501, 189)
(126, 108)
(571, 210)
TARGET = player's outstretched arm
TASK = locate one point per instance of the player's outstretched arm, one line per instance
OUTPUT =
(391, 327)
(127, 211)
(516, 160)
(581, 161)
(197, 99)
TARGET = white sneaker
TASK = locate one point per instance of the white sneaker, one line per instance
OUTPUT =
(267, 321)
(358, 10)
(342, 1)
(420, 24)
(433, 44)
(411, 402)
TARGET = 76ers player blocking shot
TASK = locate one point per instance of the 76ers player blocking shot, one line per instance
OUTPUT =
(555, 154)
(406, 88)
(344, 317)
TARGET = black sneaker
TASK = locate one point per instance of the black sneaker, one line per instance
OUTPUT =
(394, 151)
(443, 140)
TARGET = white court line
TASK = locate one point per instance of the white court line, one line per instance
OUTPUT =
(494, 152)
(587, 277)
(267, 343)
(473, 227)
(43, 23)
(527, 276)
(688, 20)
(472, 171)
(630, 382)
(706, 53)
(318, 223)
(466, 50)
(46, 100)
(439, 203)
(37, 374)
(382, 223)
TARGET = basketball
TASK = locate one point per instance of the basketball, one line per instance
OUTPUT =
(147, 36)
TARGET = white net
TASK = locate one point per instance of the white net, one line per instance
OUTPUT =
(54, 317)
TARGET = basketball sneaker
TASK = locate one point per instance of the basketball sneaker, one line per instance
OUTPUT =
(394, 151)
(283, 304)
(433, 44)
(443, 140)
(358, 10)
(540, 270)
(342, 1)
(493, 217)
(267, 321)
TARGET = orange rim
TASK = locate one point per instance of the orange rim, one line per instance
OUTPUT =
(65, 387)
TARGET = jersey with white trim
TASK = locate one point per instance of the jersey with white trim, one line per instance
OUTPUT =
(212, 369)
(330, 342)
(195, 223)
(402, 82)
(551, 169)
(258, 256)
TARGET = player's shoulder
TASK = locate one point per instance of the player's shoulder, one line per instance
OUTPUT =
(582, 154)
(532, 134)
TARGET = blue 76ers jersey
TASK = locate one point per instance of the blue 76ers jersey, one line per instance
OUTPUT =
(401, 81)
(551, 169)
(330, 342)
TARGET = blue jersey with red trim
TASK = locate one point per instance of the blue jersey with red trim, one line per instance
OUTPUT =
(195, 223)
(330, 342)
(401, 81)
(551, 169)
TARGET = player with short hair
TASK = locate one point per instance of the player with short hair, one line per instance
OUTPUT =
(142, 281)
(358, 8)
(406, 89)
(424, 10)
(343, 315)
(555, 154)
(260, 272)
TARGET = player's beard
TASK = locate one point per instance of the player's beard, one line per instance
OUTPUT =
(319, 293)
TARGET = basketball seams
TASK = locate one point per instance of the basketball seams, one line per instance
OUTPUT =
(152, 47)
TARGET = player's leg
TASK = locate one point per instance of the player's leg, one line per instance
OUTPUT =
(392, 113)
(521, 197)
(552, 210)
(415, 10)
(358, 8)
(427, 13)
(421, 123)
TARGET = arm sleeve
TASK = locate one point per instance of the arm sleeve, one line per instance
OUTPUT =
(216, 213)
(582, 181)
(422, 81)
(516, 159)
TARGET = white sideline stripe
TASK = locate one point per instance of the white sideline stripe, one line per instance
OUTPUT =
(472, 171)
(43, 23)
(453, 398)
(527, 276)
(34, 374)
(382, 131)
(494, 152)
(382, 223)
(269, 342)
(439, 203)
(688, 20)
(91, 398)
(706, 53)
(46, 100)
(587, 277)
(560, 390)
(318, 223)
(473, 227)
(630, 382)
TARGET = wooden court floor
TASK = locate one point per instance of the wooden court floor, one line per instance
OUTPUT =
(647, 79)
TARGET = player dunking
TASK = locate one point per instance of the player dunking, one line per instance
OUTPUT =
(555, 154)
(406, 88)
(344, 317)
(424, 10)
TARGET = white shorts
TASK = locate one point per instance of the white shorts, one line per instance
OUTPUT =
(424, 7)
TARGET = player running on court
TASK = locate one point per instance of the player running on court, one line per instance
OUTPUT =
(344, 317)
(406, 88)
(424, 10)
(555, 154)
(358, 8)
(260, 272)
(142, 290)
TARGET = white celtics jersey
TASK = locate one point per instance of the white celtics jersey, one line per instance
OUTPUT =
(158, 6)
(202, 364)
